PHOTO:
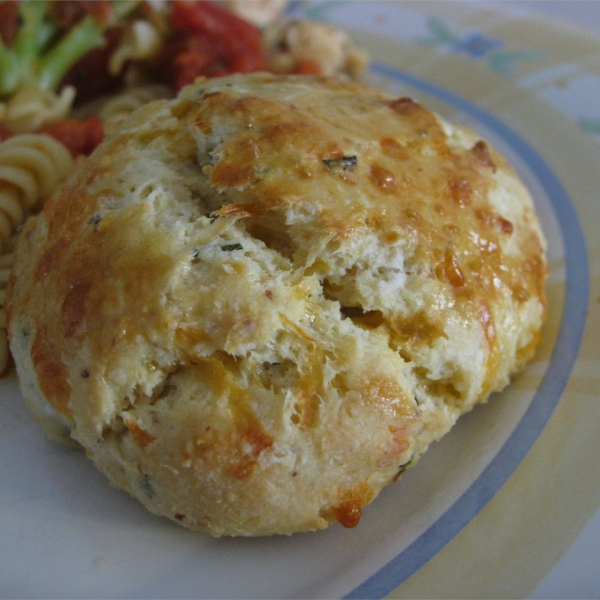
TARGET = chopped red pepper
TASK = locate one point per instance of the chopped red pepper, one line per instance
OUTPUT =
(80, 137)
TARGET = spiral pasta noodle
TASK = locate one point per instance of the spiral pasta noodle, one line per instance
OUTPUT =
(120, 106)
(141, 40)
(30, 108)
(32, 166)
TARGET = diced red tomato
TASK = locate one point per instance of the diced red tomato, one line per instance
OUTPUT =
(211, 41)
(89, 75)
(9, 21)
(208, 18)
(5, 132)
(308, 67)
(68, 12)
(80, 137)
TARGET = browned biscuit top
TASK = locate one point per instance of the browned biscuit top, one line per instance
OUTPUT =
(256, 304)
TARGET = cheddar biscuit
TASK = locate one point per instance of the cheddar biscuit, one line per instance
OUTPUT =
(257, 304)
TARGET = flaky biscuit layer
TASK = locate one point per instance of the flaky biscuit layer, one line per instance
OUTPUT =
(255, 305)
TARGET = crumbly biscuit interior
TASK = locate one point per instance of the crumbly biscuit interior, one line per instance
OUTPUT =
(271, 294)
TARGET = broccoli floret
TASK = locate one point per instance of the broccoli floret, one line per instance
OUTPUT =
(35, 57)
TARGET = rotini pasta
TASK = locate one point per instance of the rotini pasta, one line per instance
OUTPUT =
(141, 40)
(30, 108)
(259, 12)
(31, 167)
(120, 106)
(312, 47)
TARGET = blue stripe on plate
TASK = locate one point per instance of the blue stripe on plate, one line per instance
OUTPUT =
(557, 374)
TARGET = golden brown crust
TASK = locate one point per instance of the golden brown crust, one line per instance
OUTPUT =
(258, 303)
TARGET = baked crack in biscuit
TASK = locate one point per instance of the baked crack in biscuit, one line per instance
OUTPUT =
(255, 305)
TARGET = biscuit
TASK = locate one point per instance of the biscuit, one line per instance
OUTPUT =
(257, 304)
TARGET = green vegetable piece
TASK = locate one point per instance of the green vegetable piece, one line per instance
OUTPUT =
(34, 58)
(231, 247)
(345, 163)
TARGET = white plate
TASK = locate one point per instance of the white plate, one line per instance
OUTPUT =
(490, 508)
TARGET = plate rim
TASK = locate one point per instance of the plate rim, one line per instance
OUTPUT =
(557, 373)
